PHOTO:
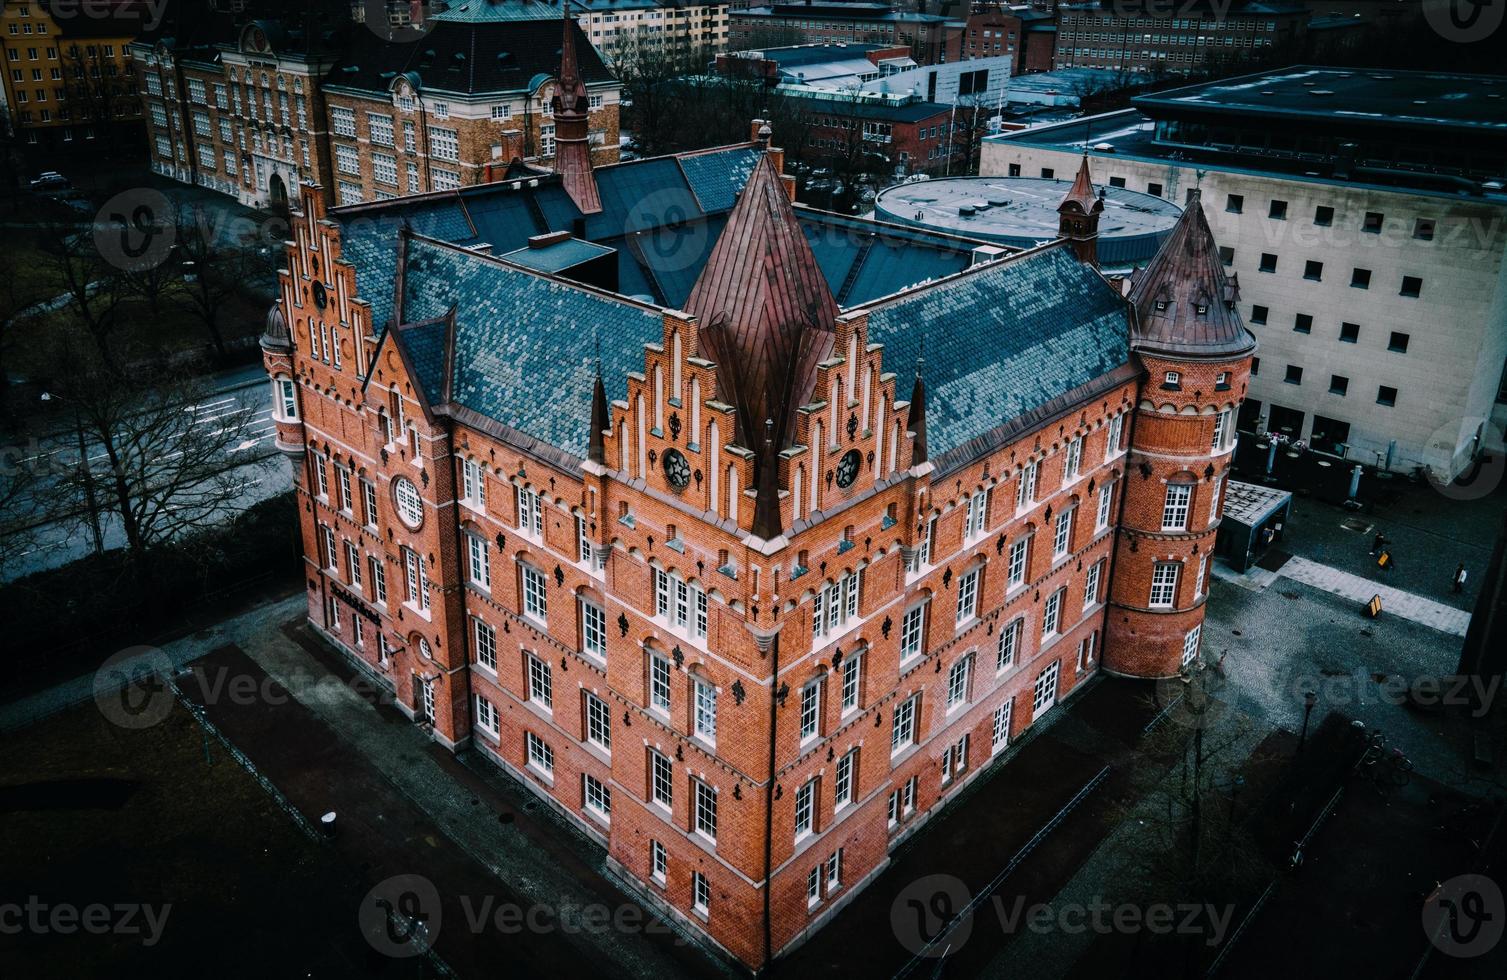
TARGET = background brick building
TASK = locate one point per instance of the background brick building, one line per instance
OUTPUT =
(655, 502)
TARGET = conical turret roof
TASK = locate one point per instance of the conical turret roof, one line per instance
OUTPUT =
(1082, 194)
(1185, 305)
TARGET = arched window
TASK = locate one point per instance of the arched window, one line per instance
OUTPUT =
(836, 401)
(695, 435)
(622, 446)
(894, 445)
(732, 491)
(675, 365)
(853, 360)
(817, 450)
(659, 398)
(879, 454)
(795, 491)
(868, 385)
(643, 438)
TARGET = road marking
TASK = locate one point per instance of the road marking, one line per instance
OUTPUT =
(1405, 605)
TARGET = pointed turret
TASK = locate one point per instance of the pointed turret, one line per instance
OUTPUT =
(596, 450)
(573, 125)
(767, 316)
(1078, 216)
(916, 420)
(1184, 303)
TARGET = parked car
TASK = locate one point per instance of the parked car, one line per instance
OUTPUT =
(50, 180)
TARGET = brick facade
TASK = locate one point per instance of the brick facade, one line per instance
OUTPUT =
(620, 623)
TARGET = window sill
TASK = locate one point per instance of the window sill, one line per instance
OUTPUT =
(597, 815)
(548, 778)
(423, 614)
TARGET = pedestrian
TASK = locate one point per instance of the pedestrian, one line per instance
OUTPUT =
(1460, 578)
(1377, 542)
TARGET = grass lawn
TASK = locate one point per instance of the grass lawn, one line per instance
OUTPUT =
(92, 813)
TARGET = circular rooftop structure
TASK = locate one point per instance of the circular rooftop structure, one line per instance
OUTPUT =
(1022, 212)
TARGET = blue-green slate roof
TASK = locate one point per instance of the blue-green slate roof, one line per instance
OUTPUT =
(1002, 341)
(525, 344)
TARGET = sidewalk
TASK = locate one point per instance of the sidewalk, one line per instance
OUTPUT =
(1414, 608)
(408, 808)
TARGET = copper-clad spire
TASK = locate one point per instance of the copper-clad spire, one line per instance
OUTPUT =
(767, 316)
(916, 420)
(1078, 216)
(596, 450)
(1184, 303)
(572, 124)
(1082, 192)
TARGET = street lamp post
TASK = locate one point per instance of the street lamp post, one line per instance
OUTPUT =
(1309, 700)
(88, 474)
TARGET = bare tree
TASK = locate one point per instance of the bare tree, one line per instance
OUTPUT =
(211, 275)
(20, 292)
(92, 287)
(169, 464)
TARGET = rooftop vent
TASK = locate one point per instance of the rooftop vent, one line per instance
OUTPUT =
(1321, 91)
(965, 210)
(1104, 147)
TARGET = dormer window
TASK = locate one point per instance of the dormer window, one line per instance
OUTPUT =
(1222, 381)
(1172, 379)
(1161, 306)
(1201, 308)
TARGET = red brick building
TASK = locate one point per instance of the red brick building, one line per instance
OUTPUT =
(742, 534)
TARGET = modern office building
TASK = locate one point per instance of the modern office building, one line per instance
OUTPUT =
(1175, 37)
(1365, 216)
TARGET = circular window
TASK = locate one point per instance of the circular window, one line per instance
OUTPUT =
(424, 649)
(677, 470)
(410, 507)
(847, 468)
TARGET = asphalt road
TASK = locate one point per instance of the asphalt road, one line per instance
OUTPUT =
(254, 463)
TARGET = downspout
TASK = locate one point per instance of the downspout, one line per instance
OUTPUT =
(774, 680)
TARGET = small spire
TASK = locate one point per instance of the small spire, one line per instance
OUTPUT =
(597, 445)
(766, 522)
(916, 421)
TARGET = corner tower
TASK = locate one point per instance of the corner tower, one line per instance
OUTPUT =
(1196, 356)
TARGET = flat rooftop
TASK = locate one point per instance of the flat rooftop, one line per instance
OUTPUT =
(1421, 99)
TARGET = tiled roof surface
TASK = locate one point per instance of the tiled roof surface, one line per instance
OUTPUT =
(716, 178)
(525, 344)
(1003, 340)
(425, 346)
(561, 255)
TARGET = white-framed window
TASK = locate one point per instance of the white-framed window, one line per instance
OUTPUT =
(380, 129)
(968, 595)
(484, 643)
(478, 568)
(353, 564)
(659, 861)
(1086, 650)
(1190, 644)
(1044, 694)
(811, 710)
(843, 788)
(1175, 507)
(347, 161)
(285, 398)
(681, 605)
(348, 192)
(541, 687)
(502, 110)
(813, 885)
(903, 802)
(955, 759)
(1216, 494)
(547, 140)
(1164, 583)
(385, 169)
(1091, 583)
(701, 893)
(535, 594)
(368, 503)
(659, 683)
(974, 523)
(1016, 566)
(445, 180)
(1072, 461)
(1223, 431)
(486, 715)
(593, 630)
(473, 484)
(805, 808)
(1062, 533)
(598, 722)
(1198, 579)
(661, 779)
(999, 733)
(410, 506)
(583, 540)
(704, 811)
(704, 700)
(443, 144)
(1025, 489)
(1106, 500)
(1051, 615)
(597, 796)
(530, 514)
(912, 632)
(379, 579)
(958, 677)
(415, 580)
(1009, 644)
(1112, 441)
(540, 755)
(836, 603)
(852, 678)
(321, 478)
(903, 730)
(331, 559)
(927, 546)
